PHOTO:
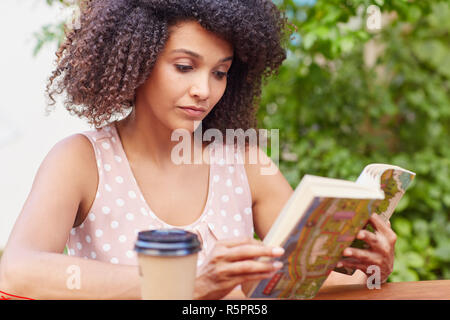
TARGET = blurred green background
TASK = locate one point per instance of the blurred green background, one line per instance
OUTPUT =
(349, 95)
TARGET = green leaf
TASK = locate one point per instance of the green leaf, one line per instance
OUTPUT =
(443, 252)
(402, 245)
(410, 275)
(420, 243)
(308, 40)
(420, 227)
(433, 52)
(414, 260)
(403, 204)
(402, 227)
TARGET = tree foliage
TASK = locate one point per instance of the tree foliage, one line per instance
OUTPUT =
(338, 112)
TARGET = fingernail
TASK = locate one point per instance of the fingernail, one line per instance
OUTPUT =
(277, 251)
(360, 236)
(277, 264)
(347, 252)
(340, 265)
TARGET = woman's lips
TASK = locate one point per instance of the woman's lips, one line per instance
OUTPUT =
(192, 111)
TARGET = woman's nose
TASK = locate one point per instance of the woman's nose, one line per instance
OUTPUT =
(200, 88)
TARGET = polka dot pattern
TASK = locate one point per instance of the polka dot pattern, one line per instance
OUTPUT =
(120, 210)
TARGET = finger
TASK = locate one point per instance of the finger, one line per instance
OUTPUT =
(364, 267)
(257, 276)
(249, 277)
(377, 241)
(353, 264)
(349, 259)
(365, 256)
(237, 242)
(378, 223)
(383, 227)
(246, 267)
(370, 238)
(249, 251)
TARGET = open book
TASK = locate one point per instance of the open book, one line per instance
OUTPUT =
(320, 220)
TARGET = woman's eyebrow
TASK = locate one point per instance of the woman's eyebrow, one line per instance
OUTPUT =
(196, 55)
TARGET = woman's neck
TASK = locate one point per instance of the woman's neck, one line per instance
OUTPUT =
(146, 140)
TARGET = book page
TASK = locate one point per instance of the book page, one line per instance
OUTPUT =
(393, 180)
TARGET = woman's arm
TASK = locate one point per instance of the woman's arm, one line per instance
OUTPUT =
(44, 275)
(33, 264)
(270, 192)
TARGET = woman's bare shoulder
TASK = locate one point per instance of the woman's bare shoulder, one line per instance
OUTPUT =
(85, 164)
(77, 153)
(72, 161)
(56, 196)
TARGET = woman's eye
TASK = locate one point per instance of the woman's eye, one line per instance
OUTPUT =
(221, 75)
(183, 68)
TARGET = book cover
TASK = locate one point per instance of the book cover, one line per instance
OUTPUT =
(314, 247)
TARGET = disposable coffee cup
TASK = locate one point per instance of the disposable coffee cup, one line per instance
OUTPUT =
(167, 263)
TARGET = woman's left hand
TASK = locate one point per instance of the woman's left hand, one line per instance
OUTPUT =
(380, 253)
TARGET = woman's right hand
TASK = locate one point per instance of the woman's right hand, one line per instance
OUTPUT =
(233, 262)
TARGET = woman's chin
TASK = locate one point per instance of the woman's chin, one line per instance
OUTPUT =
(187, 125)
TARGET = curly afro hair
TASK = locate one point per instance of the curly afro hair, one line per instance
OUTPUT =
(102, 63)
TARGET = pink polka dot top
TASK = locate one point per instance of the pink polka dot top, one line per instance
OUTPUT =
(119, 211)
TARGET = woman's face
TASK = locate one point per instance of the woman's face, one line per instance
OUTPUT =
(190, 72)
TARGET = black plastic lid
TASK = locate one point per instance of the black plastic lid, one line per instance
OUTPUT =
(167, 242)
